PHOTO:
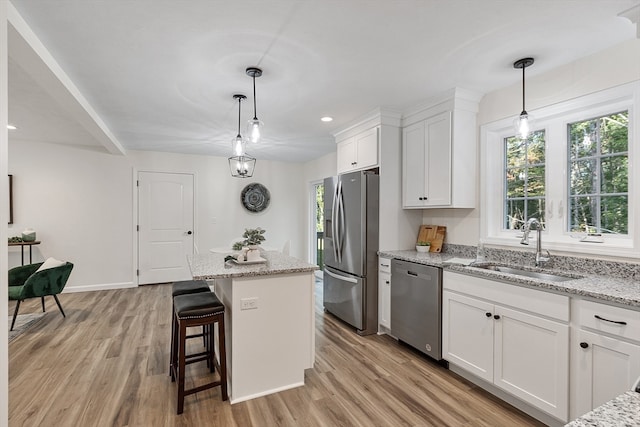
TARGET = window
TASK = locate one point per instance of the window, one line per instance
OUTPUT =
(598, 177)
(576, 174)
(524, 179)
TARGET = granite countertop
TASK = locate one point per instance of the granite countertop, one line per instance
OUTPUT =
(605, 288)
(623, 411)
(213, 266)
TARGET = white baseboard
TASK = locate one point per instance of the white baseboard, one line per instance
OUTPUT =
(98, 287)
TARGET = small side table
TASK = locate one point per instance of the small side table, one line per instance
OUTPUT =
(23, 244)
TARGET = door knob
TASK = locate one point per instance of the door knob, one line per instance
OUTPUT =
(496, 316)
(488, 314)
(189, 232)
(584, 345)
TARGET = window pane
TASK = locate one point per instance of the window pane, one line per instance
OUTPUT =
(535, 181)
(515, 214)
(603, 176)
(535, 148)
(583, 177)
(516, 149)
(535, 209)
(515, 182)
(613, 213)
(583, 139)
(614, 133)
(524, 179)
(581, 216)
(614, 174)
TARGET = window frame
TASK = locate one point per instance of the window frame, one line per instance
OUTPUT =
(554, 119)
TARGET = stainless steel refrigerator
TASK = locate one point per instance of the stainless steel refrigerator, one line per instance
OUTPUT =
(350, 249)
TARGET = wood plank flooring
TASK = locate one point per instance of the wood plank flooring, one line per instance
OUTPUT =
(106, 364)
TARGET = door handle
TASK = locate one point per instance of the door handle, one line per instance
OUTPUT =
(189, 232)
(343, 278)
(617, 322)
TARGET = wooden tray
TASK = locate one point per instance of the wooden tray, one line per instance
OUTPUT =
(434, 234)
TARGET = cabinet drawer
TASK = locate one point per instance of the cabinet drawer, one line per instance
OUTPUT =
(610, 319)
(524, 298)
(384, 265)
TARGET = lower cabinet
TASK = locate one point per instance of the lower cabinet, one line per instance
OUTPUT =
(384, 294)
(491, 329)
(606, 354)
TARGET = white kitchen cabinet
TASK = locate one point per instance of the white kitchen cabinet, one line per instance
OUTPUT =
(606, 354)
(439, 154)
(467, 333)
(427, 162)
(531, 359)
(515, 338)
(384, 294)
(358, 152)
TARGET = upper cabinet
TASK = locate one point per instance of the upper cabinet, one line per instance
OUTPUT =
(439, 153)
(358, 152)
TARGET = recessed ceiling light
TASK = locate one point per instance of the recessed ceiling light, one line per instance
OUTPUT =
(11, 127)
(326, 119)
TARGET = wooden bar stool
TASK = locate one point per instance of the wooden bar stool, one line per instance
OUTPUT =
(186, 287)
(200, 309)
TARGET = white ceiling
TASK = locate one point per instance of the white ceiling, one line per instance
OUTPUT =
(161, 73)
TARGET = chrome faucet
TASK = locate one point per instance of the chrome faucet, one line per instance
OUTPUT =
(525, 240)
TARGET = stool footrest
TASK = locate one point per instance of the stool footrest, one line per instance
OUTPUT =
(202, 388)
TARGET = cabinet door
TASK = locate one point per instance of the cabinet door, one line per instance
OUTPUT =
(606, 367)
(438, 160)
(346, 153)
(413, 166)
(467, 334)
(367, 149)
(531, 360)
(384, 298)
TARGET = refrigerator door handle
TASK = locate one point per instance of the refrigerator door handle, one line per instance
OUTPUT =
(334, 225)
(339, 277)
(338, 237)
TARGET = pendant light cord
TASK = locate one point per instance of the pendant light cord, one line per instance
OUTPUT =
(255, 114)
(523, 109)
(239, 107)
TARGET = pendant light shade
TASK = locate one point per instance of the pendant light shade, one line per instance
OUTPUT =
(240, 163)
(254, 126)
(524, 121)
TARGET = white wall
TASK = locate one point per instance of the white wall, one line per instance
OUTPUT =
(81, 202)
(609, 68)
(219, 214)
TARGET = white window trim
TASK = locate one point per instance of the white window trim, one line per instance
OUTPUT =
(554, 119)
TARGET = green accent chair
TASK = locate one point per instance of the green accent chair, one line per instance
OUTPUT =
(25, 282)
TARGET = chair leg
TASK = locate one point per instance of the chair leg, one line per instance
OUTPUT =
(181, 364)
(222, 353)
(59, 306)
(15, 314)
(42, 299)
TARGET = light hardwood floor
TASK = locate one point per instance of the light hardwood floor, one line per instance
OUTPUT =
(106, 364)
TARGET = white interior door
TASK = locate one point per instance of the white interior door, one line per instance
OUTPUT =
(165, 221)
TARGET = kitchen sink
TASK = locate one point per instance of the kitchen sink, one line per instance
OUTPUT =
(525, 273)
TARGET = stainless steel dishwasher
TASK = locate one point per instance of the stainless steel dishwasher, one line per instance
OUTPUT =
(416, 306)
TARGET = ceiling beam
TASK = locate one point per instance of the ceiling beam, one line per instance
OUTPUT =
(28, 51)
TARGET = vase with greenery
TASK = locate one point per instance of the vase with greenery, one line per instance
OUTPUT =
(253, 236)
(423, 246)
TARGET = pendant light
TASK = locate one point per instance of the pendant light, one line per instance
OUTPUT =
(254, 126)
(240, 163)
(523, 122)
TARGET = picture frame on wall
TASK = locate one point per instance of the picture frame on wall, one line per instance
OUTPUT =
(10, 199)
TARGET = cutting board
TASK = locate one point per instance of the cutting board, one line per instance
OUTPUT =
(434, 234)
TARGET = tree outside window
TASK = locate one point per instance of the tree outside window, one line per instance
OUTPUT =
(598, 174)
(524, 179)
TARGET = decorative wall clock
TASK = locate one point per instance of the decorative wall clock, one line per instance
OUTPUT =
(255, 197)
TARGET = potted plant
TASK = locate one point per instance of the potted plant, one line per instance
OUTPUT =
(423, 246)
(253, 237)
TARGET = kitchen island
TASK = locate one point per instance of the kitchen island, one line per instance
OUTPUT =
(269, 320)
